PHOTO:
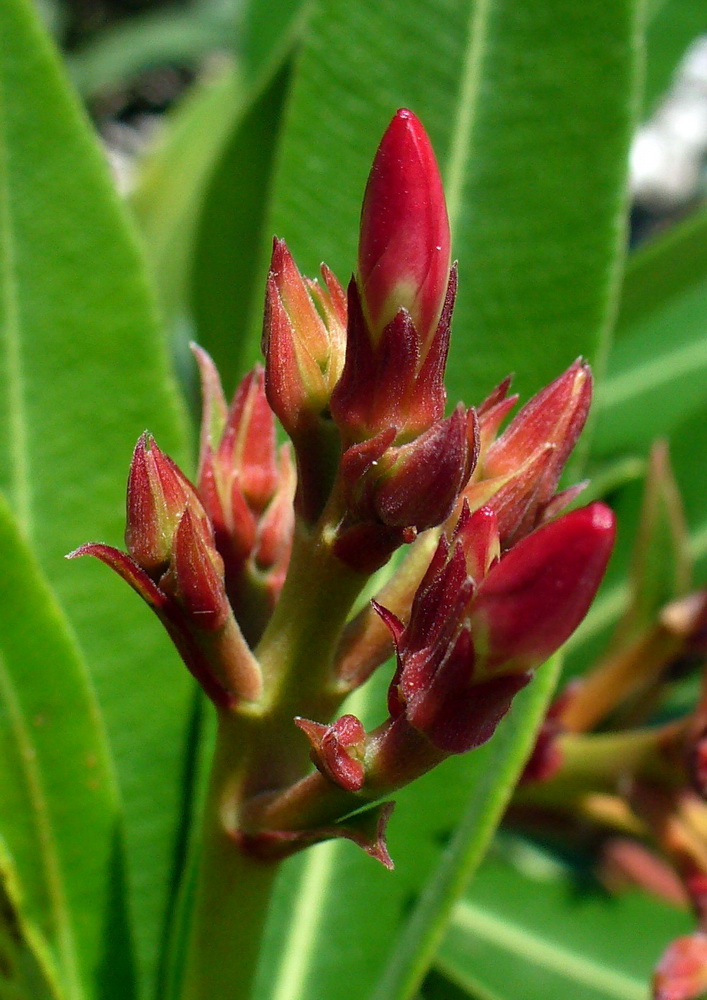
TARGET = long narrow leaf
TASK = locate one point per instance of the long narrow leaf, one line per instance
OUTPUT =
(83, 374)
(657, 372)
(59, 820)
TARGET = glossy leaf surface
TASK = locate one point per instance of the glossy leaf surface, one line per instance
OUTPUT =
(59, 822)
(543, 935)
(83, 374)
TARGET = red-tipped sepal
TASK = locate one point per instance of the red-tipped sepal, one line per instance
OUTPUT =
(366, 829)
(219, 660)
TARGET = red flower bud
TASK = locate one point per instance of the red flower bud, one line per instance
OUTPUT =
(404, 249)
(175, 567)
(304, 336)
(247, 491)
(392, 493)
(479, 626)
(536, 596)
(400, 305)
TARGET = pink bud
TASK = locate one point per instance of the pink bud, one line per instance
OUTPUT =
(536, 596)
(404, 249)
(682, 971)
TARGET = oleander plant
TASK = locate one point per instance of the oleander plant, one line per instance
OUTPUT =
(406, 695)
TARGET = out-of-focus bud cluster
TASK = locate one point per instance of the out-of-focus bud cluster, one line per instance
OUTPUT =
(255, 569)
(608, 767)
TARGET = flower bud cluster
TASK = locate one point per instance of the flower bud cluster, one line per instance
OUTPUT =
(255, 569)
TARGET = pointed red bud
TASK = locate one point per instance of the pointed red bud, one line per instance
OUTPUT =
(158, 495)
(404, 248)
(536, 596)
(304, 336)
(519, 472)
(555, 416)
(247, 489)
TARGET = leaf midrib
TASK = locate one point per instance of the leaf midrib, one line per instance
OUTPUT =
(486, 926)
(466, 109)
(648, 375)
(29, 760)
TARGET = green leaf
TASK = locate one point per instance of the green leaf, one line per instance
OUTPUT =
(59, 822)
(83, 373)
(270, 28)
(657, 372)
(150, 39)
(27, 971)
(539, 935)
(173, 176)
(227, 283)
(530, 113)
(661, 569)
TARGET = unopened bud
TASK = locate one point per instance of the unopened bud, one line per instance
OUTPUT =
(304, 336)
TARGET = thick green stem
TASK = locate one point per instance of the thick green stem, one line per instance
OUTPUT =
(260, 750)
(232, 889)
(297, 650)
